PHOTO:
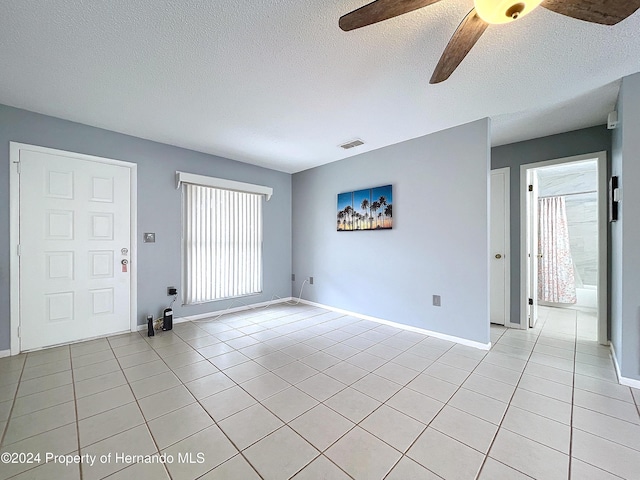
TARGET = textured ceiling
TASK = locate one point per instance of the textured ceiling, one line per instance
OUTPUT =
(276, 82)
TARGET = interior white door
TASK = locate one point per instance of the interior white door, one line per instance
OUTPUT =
(532, 247)
(74, 237)
(499, 238)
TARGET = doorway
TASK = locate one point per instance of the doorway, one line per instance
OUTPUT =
(73, 224)
(564, 241)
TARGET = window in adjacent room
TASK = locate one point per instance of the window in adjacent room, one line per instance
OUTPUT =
(222, 239)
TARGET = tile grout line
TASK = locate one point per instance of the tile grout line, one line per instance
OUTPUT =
(403, 454)
(507, 410)
(447, 403)
(75, 405)
(136, 400)
(377, 408)
(13, 403)
(573, 390)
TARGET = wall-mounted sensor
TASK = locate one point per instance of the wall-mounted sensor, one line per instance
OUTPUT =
(149, 238)
(612, 120)
(614, 198)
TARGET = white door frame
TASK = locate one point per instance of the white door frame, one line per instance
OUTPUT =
(507, 242)
(532, 246)
(14, 231)
(603, 222)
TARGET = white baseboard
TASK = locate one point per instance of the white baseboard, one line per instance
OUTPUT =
(220, 313)
(628, 382)
(252, 306)
(5, 353)
(430, 333)
(443, 336)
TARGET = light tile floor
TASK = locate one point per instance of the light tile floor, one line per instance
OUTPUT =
(297, 391)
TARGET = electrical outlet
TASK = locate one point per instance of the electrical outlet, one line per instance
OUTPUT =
(172, 291)
(293, 277)
(436, 301)
(310, 280)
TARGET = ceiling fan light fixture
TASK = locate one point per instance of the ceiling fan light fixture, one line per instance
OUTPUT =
(504, 11)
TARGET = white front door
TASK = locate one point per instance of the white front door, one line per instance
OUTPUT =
(75, 233)
(499, 240)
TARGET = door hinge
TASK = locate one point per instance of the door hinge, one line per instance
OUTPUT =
(19, 250)
(19, 331)
(531, 188)
(18, 167)
(531, 301)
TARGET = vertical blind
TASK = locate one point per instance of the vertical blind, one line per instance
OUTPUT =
(222, 243)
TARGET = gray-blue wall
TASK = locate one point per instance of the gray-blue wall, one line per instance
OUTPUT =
(578, 142)
(625, 233)
(158, 206)
(438, 244)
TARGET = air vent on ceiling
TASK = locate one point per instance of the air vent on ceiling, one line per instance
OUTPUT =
(353, 143)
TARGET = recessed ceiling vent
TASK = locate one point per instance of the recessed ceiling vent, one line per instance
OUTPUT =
(353, 143)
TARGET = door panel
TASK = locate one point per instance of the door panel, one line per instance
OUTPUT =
(499, 237)
(74, 221)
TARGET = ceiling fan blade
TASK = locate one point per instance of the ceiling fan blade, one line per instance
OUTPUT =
(605, 12)
(462, 41)
(378, 11)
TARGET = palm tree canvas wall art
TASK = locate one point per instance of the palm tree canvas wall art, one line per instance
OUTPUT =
(345, 211)
(361, 201)
(381, 207)
(369, 209)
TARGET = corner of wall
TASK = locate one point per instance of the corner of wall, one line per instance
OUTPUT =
(440, 234)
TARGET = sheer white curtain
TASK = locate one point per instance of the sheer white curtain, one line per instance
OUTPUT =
(556, 275)
(222, 243)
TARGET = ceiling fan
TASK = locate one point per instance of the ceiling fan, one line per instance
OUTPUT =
(486, 12)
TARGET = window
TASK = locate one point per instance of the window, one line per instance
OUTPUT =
(222, 241)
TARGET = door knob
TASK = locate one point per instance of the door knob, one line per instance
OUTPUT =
(498, 256)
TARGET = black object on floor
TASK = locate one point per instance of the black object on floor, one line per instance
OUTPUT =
(150, 330)
(167, 319)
